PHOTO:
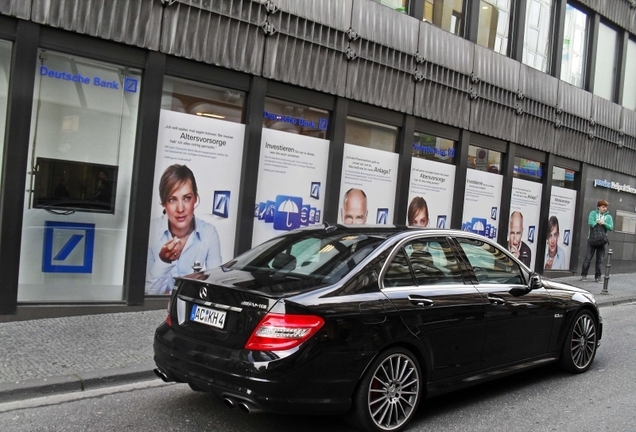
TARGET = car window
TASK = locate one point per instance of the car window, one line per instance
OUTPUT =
(490, 264)
(433, 262)
(399, 273)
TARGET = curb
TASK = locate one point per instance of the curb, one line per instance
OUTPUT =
(82, 381)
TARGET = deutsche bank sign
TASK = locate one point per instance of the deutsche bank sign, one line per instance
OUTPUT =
(130, 84)
(68, 247)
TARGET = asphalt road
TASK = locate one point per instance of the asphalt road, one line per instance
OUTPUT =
(543, 399)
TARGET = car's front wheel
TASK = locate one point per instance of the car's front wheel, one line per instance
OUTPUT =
(579, 347)
(388, 394)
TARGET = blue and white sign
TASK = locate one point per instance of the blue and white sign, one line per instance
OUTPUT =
(221, 204)
(68, 247)
(441, 221)
(566, 237)
(531, 231)
(523, 220)
(482, 198)
(292, 169)
(382, 216)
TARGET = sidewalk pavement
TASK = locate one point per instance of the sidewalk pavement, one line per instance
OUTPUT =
(61, 355)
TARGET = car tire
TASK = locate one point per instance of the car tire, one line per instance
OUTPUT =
(579, 346)
(388, 394)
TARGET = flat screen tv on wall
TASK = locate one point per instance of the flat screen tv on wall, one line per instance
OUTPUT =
(63, 186)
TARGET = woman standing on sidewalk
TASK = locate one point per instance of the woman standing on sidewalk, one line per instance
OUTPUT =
(597, 217)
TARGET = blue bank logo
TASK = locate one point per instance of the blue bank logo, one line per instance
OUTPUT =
(317, 216)
(478, 226)
(531, 231)
(315, 190)
(130, 85)
(566, 237)
(287, 215)
(323, 123)
(441, 221)
(221, 204)
(257, 206)
(312, 215)
(382, 217)
(68, 247)
(304, 215)
(269, 211)
(493, 213)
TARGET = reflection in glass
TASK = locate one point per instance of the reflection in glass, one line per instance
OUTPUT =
(398, 5)
(528, 169)
(605, 72)
(629, 90)
(563, 177)
(202, 100)
(574, 44)
(296, 119)
(446, 14)
(5, 66)
(371, 134)
(536, 43)
(484, 160)
(494, 25)
(433, 148)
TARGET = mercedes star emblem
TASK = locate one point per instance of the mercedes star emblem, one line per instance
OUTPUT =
(203, 292)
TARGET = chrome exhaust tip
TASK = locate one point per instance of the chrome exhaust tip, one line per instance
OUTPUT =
(162, 375)
(229, 402)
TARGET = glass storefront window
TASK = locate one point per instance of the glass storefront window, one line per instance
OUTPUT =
(536, 43)
(5, 67)
(203, 100)
(563, 177)
(528, 169)
(484, 160)
(446, 14)
(79, 178)
(629, 89)
(605, 73)
(625, 222)
(398, 5)
(196, 181)
(574, 46)
(494, 25)
(433, 148)
(294, 118)
(370, 134)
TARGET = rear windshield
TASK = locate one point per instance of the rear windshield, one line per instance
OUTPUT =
(316, 255)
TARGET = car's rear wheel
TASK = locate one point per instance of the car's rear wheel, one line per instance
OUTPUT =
(579, 347)
(389, 393)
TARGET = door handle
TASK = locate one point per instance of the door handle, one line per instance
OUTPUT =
(420, 301)
(496, 300)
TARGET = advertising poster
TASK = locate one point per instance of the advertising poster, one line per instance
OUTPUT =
(292, 172)
(433, 182)
(186, 228)
(367, 188)
(558, 249)
(525, 207)
(482, 199)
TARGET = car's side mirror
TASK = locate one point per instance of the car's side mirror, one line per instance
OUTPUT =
(535, 282)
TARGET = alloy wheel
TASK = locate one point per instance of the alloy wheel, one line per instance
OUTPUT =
(583, 343)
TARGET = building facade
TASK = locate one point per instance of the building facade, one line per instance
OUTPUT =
(238, 120)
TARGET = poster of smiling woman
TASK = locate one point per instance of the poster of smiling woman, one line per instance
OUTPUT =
(194, 202)
(292, 172)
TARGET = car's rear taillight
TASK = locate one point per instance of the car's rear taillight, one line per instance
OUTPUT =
(278, 332)
(168, 319)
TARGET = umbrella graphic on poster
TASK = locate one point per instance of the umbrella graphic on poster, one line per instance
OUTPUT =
(287, 215)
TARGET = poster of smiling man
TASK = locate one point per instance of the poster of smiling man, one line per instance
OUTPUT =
(292, 172)
(194, 202)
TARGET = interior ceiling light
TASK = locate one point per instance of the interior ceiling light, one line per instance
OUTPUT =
(210, 115)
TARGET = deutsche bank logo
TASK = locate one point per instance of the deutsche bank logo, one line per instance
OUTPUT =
(315, 190)
(441, 221)
(566, 237)
(382, 217)
(493, 213)
(531, 231)
(221, 203)
(323, 123)
(68, 247)
(130, 85)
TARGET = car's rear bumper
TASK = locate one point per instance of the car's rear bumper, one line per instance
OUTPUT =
(305, 387)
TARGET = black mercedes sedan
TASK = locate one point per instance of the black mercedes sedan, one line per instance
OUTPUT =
(367, 321)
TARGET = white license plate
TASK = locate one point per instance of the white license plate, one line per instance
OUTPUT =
(211, 317)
